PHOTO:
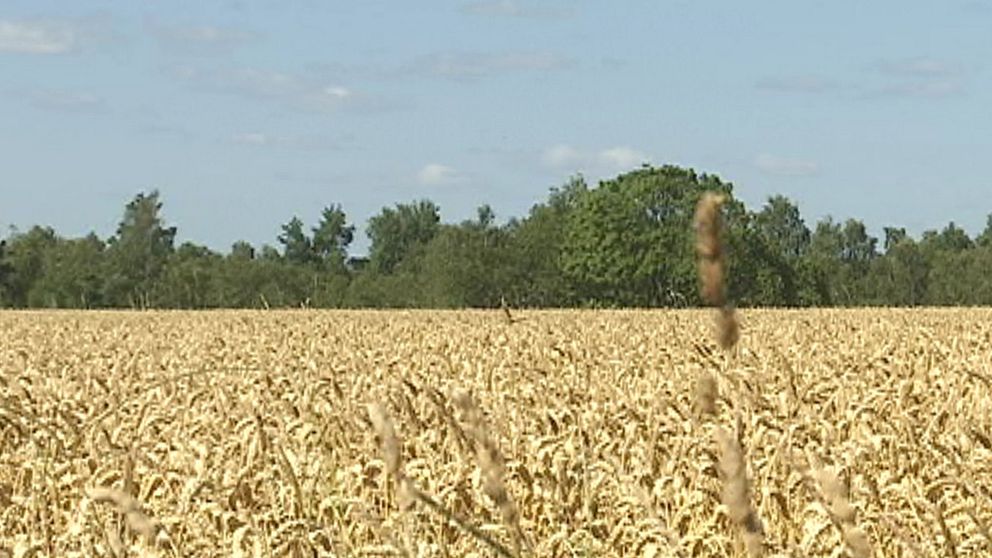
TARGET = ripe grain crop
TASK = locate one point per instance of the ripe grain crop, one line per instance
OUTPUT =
(555, 433)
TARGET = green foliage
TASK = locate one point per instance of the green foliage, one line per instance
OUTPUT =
(297, 247)
(25, 258)
(71, 274)
(533, 254)
(463, 265)
(840, 258)
(399, 235)
(191, 278)
(137, 254)
(627, 242)
(331, 238)
(985, 238)
(781, 226)
(5, 272)
(901, 277)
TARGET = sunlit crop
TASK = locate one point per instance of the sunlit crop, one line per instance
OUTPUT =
(566, 433)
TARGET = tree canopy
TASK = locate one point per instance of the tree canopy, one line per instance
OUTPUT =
(625, 242)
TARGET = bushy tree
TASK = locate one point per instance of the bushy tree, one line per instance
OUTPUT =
(465, 265)
(192, 278)
(297, 246)
(72, 274)
(331, 238)
(629, 242)
(25, 257)
(400, 234)
(534, 250)
(137, 254)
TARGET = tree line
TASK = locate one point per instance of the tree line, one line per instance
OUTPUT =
(626, 243)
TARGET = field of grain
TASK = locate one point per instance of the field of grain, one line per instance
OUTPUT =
(572, 433)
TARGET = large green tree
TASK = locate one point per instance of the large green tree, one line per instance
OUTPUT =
(774, 255)
(840, 257)
(985, 237)
(5, 272)
(400, 234)
(900, 277)
(25, 258)
(297, 246)
(192, 278)
(137, 254)
(464, 265)
(331, 238)
(72, 274)
(629, 241)
(781, 225)
(534, 252)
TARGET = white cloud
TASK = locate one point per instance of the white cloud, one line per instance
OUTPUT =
(260, 82)
(435, 174)
(337, 92)
(468, 65)
(796, 84)
(784, 166)
(67, 101)
(920, 77)
(622, 158)
(602, 162)
(201, 38)
(298, 91)
(918, 67)
(251, 138)
(296, 142)
(37, 37)
(928, 88)
(510, 8)
(561, 156)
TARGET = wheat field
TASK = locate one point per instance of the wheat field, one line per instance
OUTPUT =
(478, 433)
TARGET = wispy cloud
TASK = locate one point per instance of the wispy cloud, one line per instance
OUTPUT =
(61, 100)
(604, 161)
(38, 36)
(164, 131)
(919, 77)
(919, 67)
(451, 65)
(297, 91)
(927, 89)
(472, 65)
(436, 174)
(201, 39)
(622, 158)
(977, 6)
(785, 166)
(562, 157)
(251, 138)
(797, 84)
(510, 8)
(298, 142)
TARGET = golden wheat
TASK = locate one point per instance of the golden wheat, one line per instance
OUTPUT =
(250, 433)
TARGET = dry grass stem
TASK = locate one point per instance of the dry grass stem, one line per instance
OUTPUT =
(491, 464)
(126, 505)
(835, 498)
(737, 492)
(704, 397)
(407, 490)
(709, 249)
(712, 265)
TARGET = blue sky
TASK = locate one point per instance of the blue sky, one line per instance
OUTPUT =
(245, 113)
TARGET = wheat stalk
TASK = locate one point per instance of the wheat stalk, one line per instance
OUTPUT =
(737, 492)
